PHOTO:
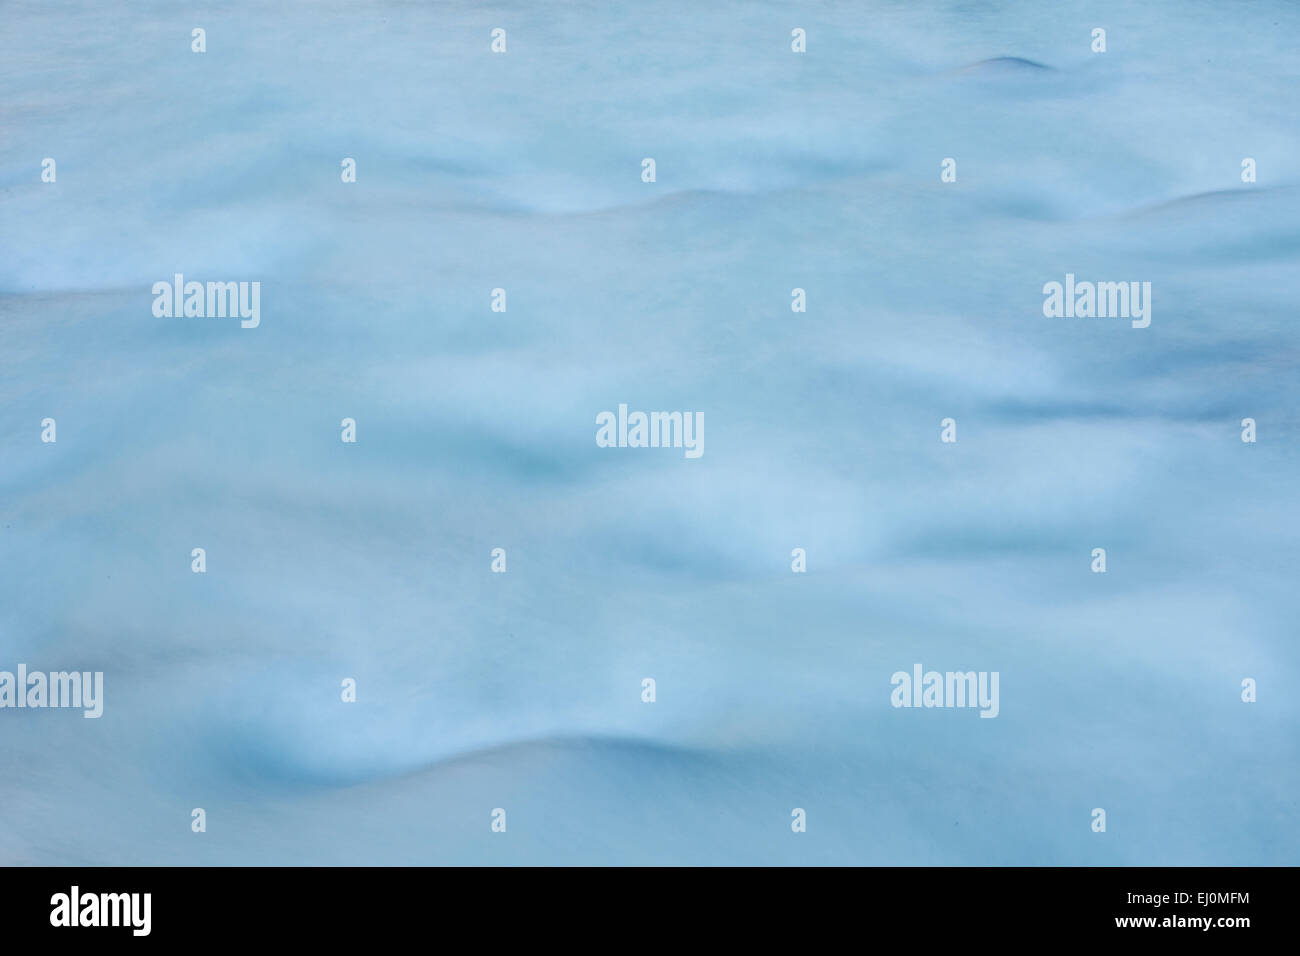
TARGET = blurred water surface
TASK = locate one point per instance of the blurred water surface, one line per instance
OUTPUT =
(476, 430)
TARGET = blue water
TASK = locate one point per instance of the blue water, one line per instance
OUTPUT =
(475, 430)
